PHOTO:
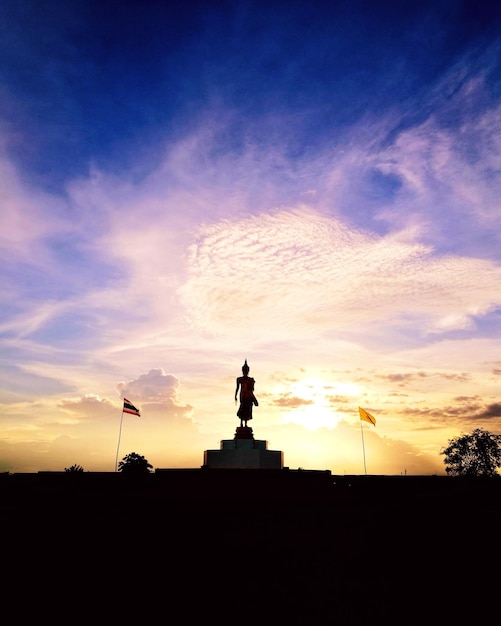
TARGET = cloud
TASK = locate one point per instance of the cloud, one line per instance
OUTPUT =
(291, 402)
(154, 386)
(221, 231)
(298, 269)
(491, 411)
(157, 391)
(89, 405)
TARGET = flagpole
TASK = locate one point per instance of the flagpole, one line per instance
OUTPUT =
(363, 445)
(119, 435)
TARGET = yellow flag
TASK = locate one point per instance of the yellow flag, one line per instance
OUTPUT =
(366, 417)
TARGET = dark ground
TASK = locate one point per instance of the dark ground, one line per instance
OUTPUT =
(250, 547)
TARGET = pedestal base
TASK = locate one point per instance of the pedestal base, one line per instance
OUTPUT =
(244, 452)
(244, 432)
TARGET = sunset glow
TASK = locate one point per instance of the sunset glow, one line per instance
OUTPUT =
(313, 187)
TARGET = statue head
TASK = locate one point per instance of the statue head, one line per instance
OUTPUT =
(245, 368)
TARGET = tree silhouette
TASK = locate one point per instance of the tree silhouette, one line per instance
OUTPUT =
(74, 469)
(476, 454)
(134, 464)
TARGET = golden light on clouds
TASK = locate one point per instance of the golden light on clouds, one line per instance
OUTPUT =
(309, 401)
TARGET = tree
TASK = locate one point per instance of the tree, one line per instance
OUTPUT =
(74, 469)
(134, 464)
(476, 454)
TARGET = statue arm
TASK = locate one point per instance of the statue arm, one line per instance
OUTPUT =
(254, 399)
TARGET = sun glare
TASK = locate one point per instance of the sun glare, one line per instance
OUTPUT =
(312, 402)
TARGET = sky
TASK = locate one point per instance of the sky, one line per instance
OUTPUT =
(312, 186)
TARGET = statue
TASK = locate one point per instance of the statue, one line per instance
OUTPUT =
(247, 398)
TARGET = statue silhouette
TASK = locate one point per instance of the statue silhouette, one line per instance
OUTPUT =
(247, 398)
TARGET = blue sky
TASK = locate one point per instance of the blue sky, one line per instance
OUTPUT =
(311, 186)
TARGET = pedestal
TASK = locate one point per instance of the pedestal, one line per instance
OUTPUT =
(244, 452)
(244, 432)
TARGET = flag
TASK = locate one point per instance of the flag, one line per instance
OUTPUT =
(366, 417)
(130, 408)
